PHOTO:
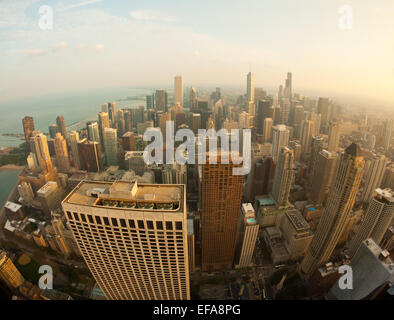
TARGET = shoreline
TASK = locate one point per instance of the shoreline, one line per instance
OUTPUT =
(11, 167)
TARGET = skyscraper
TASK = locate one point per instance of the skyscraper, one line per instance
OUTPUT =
(306, 136)
(373, 176)
(267, 129)
(283, 178)
(221, 193)
(63, 162)
(193, 105)
(90, 156)
(61, 126)
(334, 134)
(103, 122)
(8, 272)
(93, 131)
(387, 134)
(161, 100)
(74, 140)
(289, 86)
(247, 236)
(376, 220)
(178, 94)
(250, 87)
(371, 268)
(28, 128)
(111, 146)
(264, 110)
(340, 202)
(280, 138)
(40, 150)
(132, 237)
(323, 176)
(53, 131)
(322, 108)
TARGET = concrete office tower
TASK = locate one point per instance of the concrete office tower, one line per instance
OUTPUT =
(221, 194)
(8, 272)
(322, 179)
(26, 193)
(247, 236)
(322, 109)
(267, 129)
(194, 122)
(264, 110)
(52, 131)
(191, 240)
(284, 111)
(283, 178)
(340, 202)
(299, 115)
(127, 141)
(40, 150)
(296, 233)
(178, 90)
(61, 126)
(112, 113)
(387, 134)
(63, 162)
(289, 86)
(93, 131)
(28, 128)
(161, 100)
(373, 177)
(111, 146)
(372, 268)
(251, 108)
(147, 259)
(376, 220)
(280, 139)
(103, 122)
(317, 145)
(150, 101)
(135, 161)
(174, 174)
(334, 133)
(50, 197)
(306, 136)
(250, 87)
(193, 104)
(90, 156)
(74, 140)
(316, 118)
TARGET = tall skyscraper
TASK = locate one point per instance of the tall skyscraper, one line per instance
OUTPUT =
(306, 136)
(376, 220)
(90, 156)
(63, 162)
(289, 86)
(111, 146)
(112, 113)
(93, 131)
(267, 129)
(53, 131)
(161, 100)
(103, 122)
(322, 108)
(150, 101)
(280, 138)
(40, 150)
(373, 176)
(8, 272)
(193, 101)
(74, 140)
(61, 126)
(371, 269)
(334, 134)
(250, 87)
(133, 238)
(340, 202)
(247, 236)
(264, 110)
(387, 133)
(28, 128)
(283, 178)
(323, 176)
(178, 94)
(221, 194)
(127, 141)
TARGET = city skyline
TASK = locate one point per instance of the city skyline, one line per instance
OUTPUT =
(80, 35)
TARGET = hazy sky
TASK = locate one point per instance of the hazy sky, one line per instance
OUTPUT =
(105, 43)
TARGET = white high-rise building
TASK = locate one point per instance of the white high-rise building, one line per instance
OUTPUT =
(178, 86)
(133, 238)
(373, 176)
(376, 220)
(280, 139)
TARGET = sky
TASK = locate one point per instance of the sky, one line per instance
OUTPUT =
(108, 43)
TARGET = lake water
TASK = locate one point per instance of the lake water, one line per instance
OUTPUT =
(7, 182)
(75, 107)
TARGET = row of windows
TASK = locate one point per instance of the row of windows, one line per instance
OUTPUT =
(122, 222)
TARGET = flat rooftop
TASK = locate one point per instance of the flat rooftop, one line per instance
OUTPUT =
(128, 195)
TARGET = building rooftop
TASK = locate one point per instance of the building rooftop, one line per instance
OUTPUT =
(386, 195)
(14, 207)
(297, 220)
(128, 195)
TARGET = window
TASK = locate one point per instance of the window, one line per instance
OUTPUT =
(159, 225)
(106, 221)
(76, 217)
(141, 224)
(69, 215)
(168, 225)
(131, 223)
(178, 225)
(90, 218)
(123, 223)
(149, 224)
(114, 222)
(98, 220)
